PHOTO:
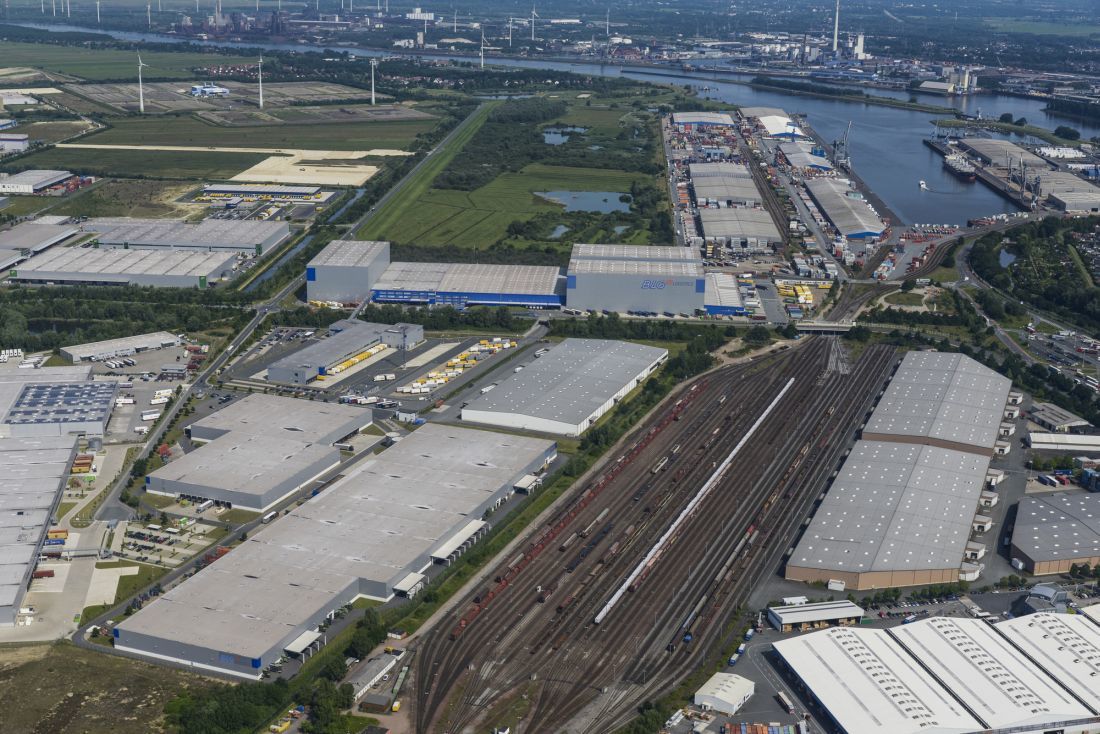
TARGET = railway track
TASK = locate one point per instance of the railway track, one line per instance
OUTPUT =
(538, 636)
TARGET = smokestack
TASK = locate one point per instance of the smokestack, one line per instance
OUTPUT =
(836, 25)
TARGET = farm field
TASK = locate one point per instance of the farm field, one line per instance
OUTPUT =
(63, 688)
(138, 163)
(130, 198)
(101, 64)
(479, 218)
(51, 132)
(188, 131)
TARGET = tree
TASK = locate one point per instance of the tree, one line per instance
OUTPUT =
(908, 285)
(757, 336)
(1020, 122)
(1068, 133)
(1006, 118)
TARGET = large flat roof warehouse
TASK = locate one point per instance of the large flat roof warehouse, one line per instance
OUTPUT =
(234, 189)
(350, 254)
(29, 182)
(35, 471)
(463, 284)
(726, 191)
(738, 224)
(800, 155)
(56, 409)
(266, 415)
(383, 520)
(1003, 153)
(1067, 646)
(1055, 418)
(852, 217)
(212, 234)
(780, 126)
(749, 113)
(346, 270)
(35, 237)
(1055, 530)
(723, 295)
(703, 119)
(870, 685)
(719, 169)
(998, 683)
(951, 675)
(347, 339)
(159, 268)
(896, 515)
(942, 399)
(633, 253)
(119, 347)
(567, 389)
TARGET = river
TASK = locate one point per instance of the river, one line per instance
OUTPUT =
(885, 142)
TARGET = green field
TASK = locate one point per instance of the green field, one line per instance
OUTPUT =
(63, 688)
(1043, 28)
(168, 130)
(108, 64)
(51, 132)
(479, 218)
(130, 198)
(138, 163)
(399, 207)
(21, 206)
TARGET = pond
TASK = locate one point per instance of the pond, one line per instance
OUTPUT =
(560, 135)
(620, 228)
(604, 202)
(559, 231)
(1006, 258)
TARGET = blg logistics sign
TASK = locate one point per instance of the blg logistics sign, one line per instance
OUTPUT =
(658, 285)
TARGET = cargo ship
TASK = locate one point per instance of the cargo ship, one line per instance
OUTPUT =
(960, 167)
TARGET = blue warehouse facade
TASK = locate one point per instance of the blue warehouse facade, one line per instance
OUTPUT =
(470, 284)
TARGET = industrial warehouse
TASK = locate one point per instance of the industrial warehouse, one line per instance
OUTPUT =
(371, 534)
(54, 401)
(742, 229)
(723, 185)
(258, 451)
(1055, 531)
(35, 471)
(350, 342)
(139, 267)
(805, 157)
(211, 235)
(904, 504)
(470, 284)
(32, 182)
(773, 122)
(852, 217)
(345, 270)
(635, 278)
(567, 389)
(693, 120)
(1029, 675)
(351, 272)
(122, 347)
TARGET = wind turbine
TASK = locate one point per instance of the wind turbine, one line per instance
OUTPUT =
(149, 14)
(373, 64)
(141, 88)
(97, 12)
(510, 31)
(533, 16)
(482, 54)
(607, 24)
(261, 82)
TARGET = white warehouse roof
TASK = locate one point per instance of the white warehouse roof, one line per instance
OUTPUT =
(944, 398)
(853, 217)
(895, 507)
(1067, 646)
(561, 391)
(350, 253)
(870, 685)
(819, 612)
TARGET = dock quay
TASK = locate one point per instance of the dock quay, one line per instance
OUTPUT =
(999, 183)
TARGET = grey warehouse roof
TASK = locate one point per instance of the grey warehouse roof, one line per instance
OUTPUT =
(1002, 152)
(38, 178)
(718, 170)
(111, 347)
(849, 215)
(272, 415)
(239, 234)
(633, 252)
(469, 278)
(739, 223)
(371, 525)
(570, 382)
(124, 265)
(1057, 526)
(34, 236)
(895, 506)
(66, 402)
(353, 337)
(942, 396)
(1053, 415)
(350, 253)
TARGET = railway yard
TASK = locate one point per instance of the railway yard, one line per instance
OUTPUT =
(637, 580)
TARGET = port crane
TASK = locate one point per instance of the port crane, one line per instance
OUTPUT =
(841, 156)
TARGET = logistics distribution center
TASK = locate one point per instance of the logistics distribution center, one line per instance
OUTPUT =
(30, 238)
(652, 279)
(1055, 531)
(351, 272)
(350, 342)
(122, 347)
(903, 506)
(370, 534)
(852, 217)
(567, 389)
(210, 235)
(258, 451)
(158, 268)
(1030, 675)
(35, 471)
(54, 401)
